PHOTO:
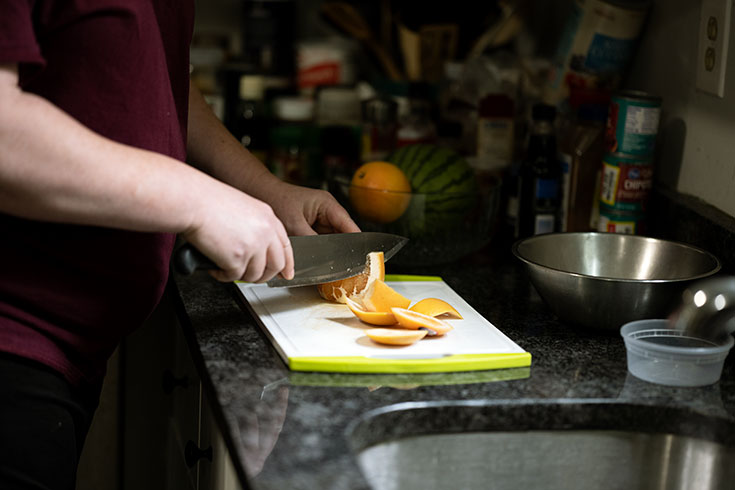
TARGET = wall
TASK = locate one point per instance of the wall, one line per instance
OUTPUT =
(697, 144)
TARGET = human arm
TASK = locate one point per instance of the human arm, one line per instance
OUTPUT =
(52, 168)
(214, 150)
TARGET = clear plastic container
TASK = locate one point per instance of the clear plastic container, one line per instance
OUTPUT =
(659, 354)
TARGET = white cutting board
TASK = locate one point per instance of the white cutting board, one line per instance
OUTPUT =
(312, 334)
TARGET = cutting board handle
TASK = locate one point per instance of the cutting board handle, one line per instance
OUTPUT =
(187, 259)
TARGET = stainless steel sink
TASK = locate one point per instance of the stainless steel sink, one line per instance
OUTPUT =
(562, 458)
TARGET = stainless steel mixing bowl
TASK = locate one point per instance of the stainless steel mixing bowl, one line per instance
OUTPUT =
(604, 280)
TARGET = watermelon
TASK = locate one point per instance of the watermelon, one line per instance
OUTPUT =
(443, 183)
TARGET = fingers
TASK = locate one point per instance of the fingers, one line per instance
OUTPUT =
(337, 221)
(288, 269)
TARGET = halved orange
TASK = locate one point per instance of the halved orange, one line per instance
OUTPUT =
(435, 307)
(415, 320)
(395, 336)
(353, 286)
(371, 317)
(380, 297)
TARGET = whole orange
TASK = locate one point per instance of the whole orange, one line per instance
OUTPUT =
(380, 192)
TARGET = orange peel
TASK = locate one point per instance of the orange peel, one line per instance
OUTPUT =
(414, 320)
(435, 307)
(378, 296)
(395, 336)
(371, 317)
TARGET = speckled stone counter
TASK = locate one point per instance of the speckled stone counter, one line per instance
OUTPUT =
(289, 430)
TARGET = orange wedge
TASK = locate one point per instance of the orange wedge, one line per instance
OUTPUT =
(395, 336)
(354, 286)
(435, 307)
(380, 297)
(415, 320)
(371, 317)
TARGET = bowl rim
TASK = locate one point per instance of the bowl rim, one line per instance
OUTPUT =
(717, 264)
(634, 334)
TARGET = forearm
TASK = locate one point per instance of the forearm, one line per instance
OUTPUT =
(212, 149)
(52, 168)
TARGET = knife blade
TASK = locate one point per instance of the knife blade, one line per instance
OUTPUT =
(317, 258)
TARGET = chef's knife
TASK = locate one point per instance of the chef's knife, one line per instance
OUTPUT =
(317, 258)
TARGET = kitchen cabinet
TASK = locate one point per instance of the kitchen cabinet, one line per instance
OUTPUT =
(170, 438)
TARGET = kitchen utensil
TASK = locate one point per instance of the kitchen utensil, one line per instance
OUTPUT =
(312, 334)
(503, 30)
(317, 258)
(659, 354)
(707, 310)
(427, 49)
(604, 280)
(347, 18)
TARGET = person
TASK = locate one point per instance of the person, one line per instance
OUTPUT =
(107, 153)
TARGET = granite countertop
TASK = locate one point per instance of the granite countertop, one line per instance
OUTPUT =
(296, 430)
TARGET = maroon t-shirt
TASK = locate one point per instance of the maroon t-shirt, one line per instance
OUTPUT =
(68, 294)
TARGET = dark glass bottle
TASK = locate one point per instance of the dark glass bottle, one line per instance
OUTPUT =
(539, 183)
(250, 124)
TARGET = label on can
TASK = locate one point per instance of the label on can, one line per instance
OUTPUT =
(626, 223)
(625, 183)
(632, 123)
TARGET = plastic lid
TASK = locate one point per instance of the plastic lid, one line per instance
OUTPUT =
(293, 108)
(252, 87)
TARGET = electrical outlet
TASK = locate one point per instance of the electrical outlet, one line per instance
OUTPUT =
(714, 36)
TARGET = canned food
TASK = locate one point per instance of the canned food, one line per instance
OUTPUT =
(626, 182)
(632, 123)
(615, 222)
(597, 44)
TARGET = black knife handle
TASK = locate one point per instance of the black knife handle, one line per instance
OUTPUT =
(187, 259)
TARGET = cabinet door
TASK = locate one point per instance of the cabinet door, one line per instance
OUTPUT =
(145, 355)
(161, 392)
(219, 472)
(182, 385)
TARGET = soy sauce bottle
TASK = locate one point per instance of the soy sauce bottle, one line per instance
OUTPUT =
(539, 183)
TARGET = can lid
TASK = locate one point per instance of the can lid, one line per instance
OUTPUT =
(637, 94)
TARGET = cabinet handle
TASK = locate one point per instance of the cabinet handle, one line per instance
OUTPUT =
(192, 453)
(170, 382)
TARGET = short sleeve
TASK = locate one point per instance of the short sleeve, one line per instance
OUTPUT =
(17, 39)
